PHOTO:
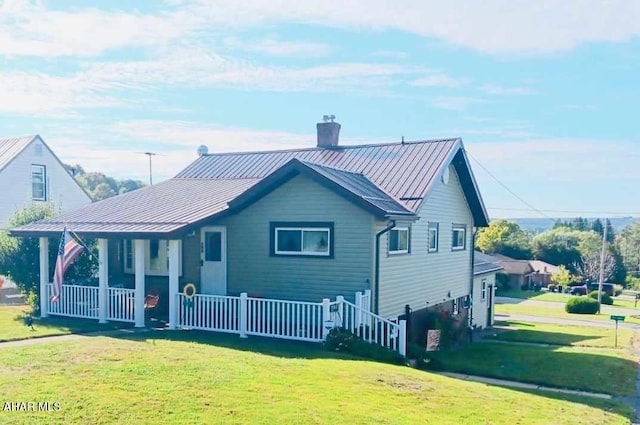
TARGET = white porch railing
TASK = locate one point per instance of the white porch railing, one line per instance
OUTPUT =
(209, 312)
(296, 320)
(370, 327)
(74, 301)
(285, 319)
(121, 304)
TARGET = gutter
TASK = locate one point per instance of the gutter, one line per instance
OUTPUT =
(376, 277)
(473, 252)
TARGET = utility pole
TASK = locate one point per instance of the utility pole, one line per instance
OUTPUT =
(601, 277)
(150, 154)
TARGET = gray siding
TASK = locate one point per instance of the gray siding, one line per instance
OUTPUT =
(423, 279)
(251, 269)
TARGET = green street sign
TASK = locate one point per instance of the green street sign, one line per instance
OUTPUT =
(617, 318)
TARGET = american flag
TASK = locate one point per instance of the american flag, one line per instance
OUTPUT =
(68, 251)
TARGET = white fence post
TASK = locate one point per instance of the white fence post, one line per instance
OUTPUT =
(402, 338)
(326, 317)
(358, 318)
(340, 313)
(367, 300)
(242, 320)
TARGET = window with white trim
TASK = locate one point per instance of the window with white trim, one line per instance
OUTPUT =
(38, 183)
(456, 306)
(156, 262)
(399, 240)
(433, 237)
(483, 290)
(458, 235)
(307, 240)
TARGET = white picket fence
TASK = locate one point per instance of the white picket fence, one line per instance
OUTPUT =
(296, 320)
(82, 301)
(121, 304)
(74, 301)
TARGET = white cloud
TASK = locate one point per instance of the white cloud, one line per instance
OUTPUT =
(457, 103)
(492, 26)
(274, 47)
(507, 91)
(437, 80)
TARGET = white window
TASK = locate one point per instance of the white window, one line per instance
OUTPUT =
(38, 183)
(399, 240)
(314, 241)
(156, 262)
(484, 290)
(459, 237)
(456, 306)
(433, 237)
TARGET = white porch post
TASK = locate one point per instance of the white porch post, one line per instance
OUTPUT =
(139, 254)
(44, 277)
(103, 278)
(174, 272)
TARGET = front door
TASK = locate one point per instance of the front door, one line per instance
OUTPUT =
(213, 260)
(489, 305)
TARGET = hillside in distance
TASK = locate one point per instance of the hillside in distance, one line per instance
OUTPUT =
(539, 225)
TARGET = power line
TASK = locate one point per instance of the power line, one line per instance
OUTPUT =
(531, 207)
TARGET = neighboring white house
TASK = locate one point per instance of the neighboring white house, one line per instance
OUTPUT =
(484, 284)
(31, 173)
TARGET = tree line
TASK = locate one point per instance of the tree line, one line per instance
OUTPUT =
(576, 245)
(100, 186)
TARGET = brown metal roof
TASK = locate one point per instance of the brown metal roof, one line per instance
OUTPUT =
(162, 208)
(394, 178)
(403, 170)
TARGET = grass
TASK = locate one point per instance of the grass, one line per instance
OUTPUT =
(544, 333)
(557, 297)
(192, 377)
(553, 312)
(12, 325)
(604, 371)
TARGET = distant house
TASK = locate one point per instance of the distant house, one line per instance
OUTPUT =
(523, 273)
(30, 173)
(395, 220)
(485, 268)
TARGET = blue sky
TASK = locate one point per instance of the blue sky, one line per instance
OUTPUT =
(544, 94)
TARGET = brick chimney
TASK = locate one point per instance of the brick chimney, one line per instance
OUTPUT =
(328, 132)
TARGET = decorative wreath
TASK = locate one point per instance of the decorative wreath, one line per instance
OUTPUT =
(189, 291)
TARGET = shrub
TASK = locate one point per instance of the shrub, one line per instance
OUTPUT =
(582, 305)
(632, 282)
(604, 299)
(340, 339)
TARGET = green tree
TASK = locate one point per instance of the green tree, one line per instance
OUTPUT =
(99, 185)
(564, 245)
(563, 276)
(20, 257)
(506, 238)
(628, 244)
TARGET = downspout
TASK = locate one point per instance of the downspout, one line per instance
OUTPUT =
(376, 276)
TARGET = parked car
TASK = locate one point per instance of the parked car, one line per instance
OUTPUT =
(579, 290)
(607, 288)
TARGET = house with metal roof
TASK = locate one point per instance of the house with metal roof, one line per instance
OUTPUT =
(485, 268)
(394, 221)
(31, 173)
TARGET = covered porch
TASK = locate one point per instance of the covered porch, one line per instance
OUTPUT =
(112, 300)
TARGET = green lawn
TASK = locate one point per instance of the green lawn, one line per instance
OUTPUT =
(604, 371)
(12, 325)
(556, 297)
(561, 334)
(553, 312)
(191, 377)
